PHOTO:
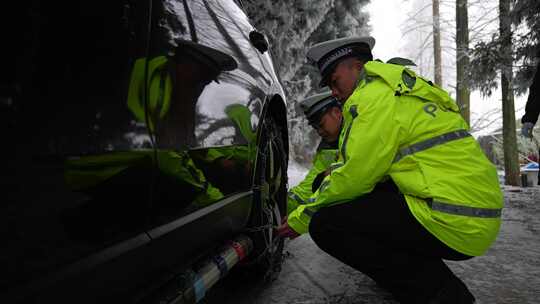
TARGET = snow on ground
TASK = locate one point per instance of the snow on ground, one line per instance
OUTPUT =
(510, 271)
(296, 173)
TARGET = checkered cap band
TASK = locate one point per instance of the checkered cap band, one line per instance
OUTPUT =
(326, 61)
(320, 106)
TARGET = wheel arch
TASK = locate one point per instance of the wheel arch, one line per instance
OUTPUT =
(277, 109)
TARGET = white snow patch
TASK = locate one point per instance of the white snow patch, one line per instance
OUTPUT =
(296, 173)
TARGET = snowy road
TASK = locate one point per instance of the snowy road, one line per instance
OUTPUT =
(508, 273)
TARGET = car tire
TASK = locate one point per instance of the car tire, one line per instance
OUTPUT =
(269, 203)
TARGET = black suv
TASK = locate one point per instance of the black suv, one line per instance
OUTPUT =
(138, 137)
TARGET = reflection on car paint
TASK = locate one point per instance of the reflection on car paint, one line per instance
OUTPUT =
(184, 89)
(203, 122)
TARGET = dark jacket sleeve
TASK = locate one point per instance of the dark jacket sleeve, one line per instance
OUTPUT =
(532, 109)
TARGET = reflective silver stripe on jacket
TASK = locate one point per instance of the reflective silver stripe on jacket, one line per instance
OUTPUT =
(296, 198)
(463, 210)
(354, 113)
(334, 166)
(309, 212)
(324, 185)
(429, 143)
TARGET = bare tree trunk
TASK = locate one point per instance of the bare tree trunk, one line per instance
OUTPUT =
(462, 59)
(437, 43)
(511, 163)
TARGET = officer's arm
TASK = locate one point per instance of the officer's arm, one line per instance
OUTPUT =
(370, 148)
(299, 194)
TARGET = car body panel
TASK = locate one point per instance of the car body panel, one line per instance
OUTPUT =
(91, 203)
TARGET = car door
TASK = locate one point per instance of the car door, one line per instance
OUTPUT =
(213, 116)
(77, 177)
(210, 84)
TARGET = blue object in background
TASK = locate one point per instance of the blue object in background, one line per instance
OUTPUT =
(532, 166)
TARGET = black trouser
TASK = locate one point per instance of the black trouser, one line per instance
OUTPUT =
(377, 235)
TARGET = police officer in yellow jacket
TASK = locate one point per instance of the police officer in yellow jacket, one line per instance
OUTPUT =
(323, 113)
(413, 186)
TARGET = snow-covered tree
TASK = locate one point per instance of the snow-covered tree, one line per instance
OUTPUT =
(291, 27)
(487, 54)
(513, 52)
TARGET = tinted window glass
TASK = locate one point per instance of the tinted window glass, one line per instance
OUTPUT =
(222, 26)
(206, 112)
(79, 162)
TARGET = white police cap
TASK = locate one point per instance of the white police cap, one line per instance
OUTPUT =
(327, 54)
(315, 103)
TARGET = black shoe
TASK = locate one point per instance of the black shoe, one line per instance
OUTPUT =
(453, 292)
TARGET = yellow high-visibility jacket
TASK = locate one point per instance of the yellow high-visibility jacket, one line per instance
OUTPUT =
(300, 193)
(400, 126)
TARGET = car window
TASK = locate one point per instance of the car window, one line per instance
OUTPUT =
(77, 169)
(206, 112)
(219, 25)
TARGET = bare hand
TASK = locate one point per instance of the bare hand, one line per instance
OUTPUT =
(285, 231)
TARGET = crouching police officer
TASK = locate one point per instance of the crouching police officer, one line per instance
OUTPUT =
(323, 113)
(413, 186)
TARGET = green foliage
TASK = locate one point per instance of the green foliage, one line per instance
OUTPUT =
(486, 57)
(485, 64)
(526, 43)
